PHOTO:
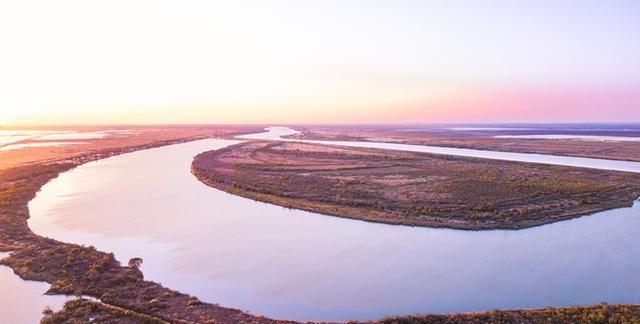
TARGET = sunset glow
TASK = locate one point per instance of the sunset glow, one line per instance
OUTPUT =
(143, 62)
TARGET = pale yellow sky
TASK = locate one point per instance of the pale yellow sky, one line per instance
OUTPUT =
(90, 62)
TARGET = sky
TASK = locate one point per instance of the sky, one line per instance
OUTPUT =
(329, 61)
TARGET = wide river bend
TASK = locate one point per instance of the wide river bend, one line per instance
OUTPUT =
(287, 263)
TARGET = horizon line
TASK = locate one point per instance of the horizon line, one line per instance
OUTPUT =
(9, 126)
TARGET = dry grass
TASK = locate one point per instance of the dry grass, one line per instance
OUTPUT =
(598, 314)
(128, 298)
(413, 188)
(629, 151)
(79, 270)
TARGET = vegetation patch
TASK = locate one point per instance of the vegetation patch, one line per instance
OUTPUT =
(81, 311)
(126, 297)
(84, 271)
(598, 314)
(410, 188)
(484, 140)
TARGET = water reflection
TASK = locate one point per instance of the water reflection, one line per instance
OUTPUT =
(23, 301)
(276, 133)
(288, 263)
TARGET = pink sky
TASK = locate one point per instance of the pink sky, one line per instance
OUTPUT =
(509, 105)
(332, 61)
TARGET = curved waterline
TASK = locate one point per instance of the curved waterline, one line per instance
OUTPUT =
(23, 301)
(277, 133)
(293, 264)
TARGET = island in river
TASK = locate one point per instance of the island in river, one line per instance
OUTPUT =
(409, 188)
(125, 296)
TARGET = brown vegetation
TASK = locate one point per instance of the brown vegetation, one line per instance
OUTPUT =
(413, 188)
(79, 270)
(78, 311)
(484, 140)
(125, 296)
(81, 311)
(604, 314)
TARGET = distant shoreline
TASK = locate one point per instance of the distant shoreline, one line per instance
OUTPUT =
(162, 305)
(483, 140)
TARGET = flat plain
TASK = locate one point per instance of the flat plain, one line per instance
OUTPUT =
(486, 139)
(126, 297)
(415, 189)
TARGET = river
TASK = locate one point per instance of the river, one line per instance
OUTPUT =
(22, 302)
(277, 133)
(286, 263)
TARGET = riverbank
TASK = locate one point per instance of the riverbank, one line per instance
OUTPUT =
(489, 140)
(80, 310)
(80, 270)
(128, 296)
(603, 313)
(414, 189)
(27, 299)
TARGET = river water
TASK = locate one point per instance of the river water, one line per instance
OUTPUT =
(293, 264)
(276, 133)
